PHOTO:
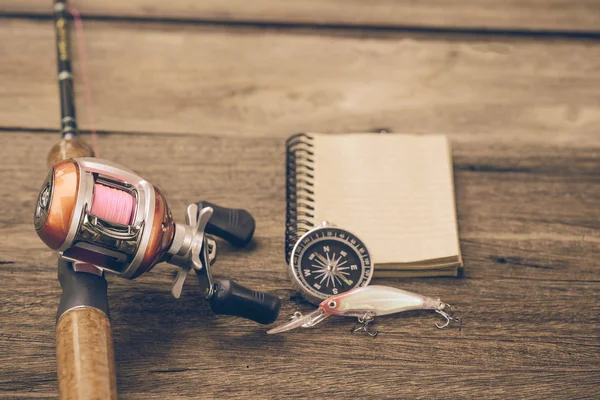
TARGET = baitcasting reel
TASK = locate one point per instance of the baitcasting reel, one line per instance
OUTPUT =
(105, 218)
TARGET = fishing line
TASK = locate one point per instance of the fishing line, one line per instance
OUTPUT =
(113, 205)
(87, 91)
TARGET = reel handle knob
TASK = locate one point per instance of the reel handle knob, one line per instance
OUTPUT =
(233, 225)
(230, 298)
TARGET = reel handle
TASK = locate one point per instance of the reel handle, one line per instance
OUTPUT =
(230, 298)
(231, 224)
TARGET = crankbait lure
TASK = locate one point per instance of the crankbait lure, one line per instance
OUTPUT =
(366, 303)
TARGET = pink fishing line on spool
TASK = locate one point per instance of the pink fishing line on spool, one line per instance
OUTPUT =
(112, 204)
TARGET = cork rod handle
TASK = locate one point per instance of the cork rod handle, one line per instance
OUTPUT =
(84, 350)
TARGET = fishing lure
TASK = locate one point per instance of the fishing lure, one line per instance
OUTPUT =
(366, 303)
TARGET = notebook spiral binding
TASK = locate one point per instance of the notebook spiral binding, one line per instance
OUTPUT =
(299, 189)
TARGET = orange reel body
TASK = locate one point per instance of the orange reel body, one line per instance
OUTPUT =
(65, 223)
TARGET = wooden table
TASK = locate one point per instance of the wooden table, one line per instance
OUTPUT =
(198, 97)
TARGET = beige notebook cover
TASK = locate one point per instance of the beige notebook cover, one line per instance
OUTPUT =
(394, 191)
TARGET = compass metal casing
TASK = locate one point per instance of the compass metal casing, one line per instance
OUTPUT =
(328, 260)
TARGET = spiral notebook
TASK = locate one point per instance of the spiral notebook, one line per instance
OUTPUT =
(394, 191)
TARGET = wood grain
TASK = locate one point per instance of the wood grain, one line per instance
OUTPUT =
(530, 295)
(207, 109)
(85, 355)
(524, 15)
(258, 82)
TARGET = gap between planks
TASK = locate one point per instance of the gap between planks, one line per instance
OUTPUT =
(332, 29)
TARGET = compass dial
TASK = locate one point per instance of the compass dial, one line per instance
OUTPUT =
(328, 261)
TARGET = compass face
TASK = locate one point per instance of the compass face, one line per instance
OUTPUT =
(329, 261)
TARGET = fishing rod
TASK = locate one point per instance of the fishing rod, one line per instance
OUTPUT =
(70, 145)
(84, 344)
(101, 217)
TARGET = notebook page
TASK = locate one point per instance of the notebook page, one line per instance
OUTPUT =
(393, 191)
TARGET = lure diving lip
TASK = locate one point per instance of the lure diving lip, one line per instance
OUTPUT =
(367, 302)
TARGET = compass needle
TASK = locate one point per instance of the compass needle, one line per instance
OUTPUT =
(321, 263)
(322, 259)
(342, 277)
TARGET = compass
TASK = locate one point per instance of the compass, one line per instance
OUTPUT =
(328, 260)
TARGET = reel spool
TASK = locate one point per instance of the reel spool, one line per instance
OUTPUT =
(105, 218)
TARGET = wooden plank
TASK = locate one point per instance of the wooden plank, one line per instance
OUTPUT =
(516, 204)
(530, 296)
(208, 80)
(526, 15)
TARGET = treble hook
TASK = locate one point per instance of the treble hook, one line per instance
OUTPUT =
(449, 316)
(365, 320)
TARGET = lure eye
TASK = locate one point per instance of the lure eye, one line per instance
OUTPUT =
(332, 304)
